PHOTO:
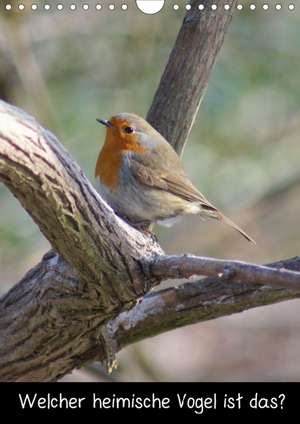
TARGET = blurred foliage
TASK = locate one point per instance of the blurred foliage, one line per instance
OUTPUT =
(68, 68)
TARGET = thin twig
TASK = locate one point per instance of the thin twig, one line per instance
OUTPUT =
(184, 266)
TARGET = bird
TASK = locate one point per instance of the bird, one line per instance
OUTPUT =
(139, 174)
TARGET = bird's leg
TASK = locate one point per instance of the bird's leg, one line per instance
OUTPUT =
(145, 227)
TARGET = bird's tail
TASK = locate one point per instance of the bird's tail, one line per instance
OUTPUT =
(226, 220)
(213, 212)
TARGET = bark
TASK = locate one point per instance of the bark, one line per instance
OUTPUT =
(64, 300)
(69, 212)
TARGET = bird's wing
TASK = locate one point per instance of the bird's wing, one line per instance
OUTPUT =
(175, 182)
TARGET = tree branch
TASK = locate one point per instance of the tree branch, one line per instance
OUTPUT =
(68, 210)
(184, 81)
(194, 302)
(98, 274)
(184, 266)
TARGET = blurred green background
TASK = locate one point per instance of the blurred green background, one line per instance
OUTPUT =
(69, 67)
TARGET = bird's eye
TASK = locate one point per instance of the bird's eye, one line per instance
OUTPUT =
(128, 130)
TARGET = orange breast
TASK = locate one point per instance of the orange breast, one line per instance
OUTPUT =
(108, 166)
(110, 158)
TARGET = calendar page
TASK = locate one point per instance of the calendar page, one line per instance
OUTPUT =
(150, 186)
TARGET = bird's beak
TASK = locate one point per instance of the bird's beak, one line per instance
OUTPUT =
(105, 122)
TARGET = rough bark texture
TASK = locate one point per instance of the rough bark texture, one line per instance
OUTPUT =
(187, 73)
(99, 273)
(68, 210)
(86, 302)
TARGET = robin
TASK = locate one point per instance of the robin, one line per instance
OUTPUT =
(140, 175)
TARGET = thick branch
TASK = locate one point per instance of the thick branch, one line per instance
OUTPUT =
(184, 81)
(51, 294)
(64, 300)
(53, 189)
(39, 318)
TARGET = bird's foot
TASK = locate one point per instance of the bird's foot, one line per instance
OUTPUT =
(145, 228)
